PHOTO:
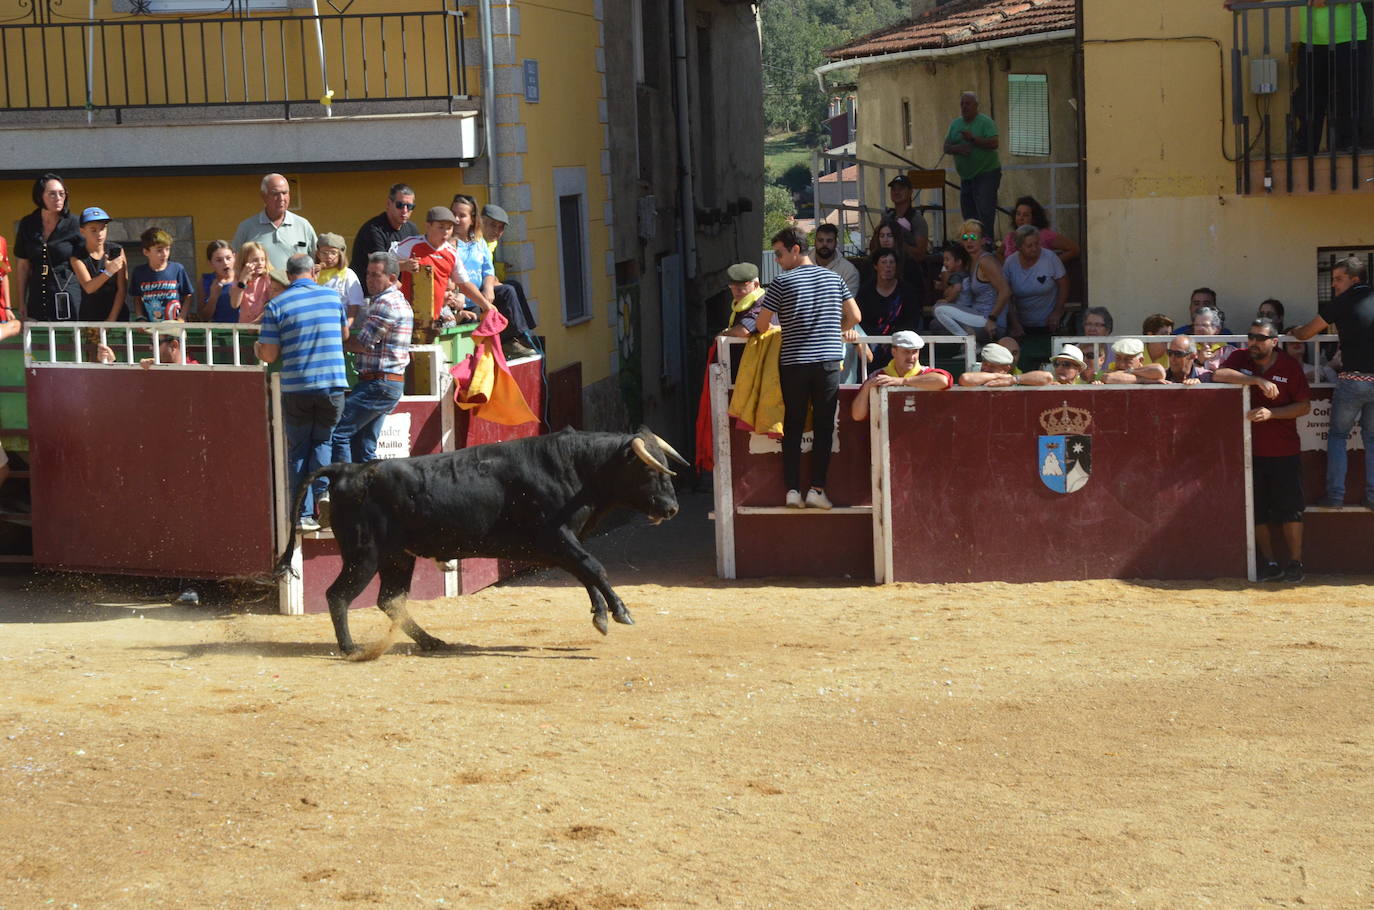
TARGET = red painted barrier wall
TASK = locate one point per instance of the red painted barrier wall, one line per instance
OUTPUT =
(322, 561)
(1165, 497)
(161, 472)
(1337, 542)
(472, 430)
(805, 542)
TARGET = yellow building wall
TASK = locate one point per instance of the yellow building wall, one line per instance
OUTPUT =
(338, 202)
(1163, 213)
(932, 88)
(564, 129)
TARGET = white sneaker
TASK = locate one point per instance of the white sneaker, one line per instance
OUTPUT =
(794, 500)
(816, 499)
(307, 524)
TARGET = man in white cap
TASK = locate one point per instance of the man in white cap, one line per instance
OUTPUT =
(1069, 367)
(1128, 365)
(905, 371)
(995, 369)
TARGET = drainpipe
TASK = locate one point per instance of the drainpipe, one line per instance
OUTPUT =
(684, 142)
(90, 69)
(489, 101)
(326, 96)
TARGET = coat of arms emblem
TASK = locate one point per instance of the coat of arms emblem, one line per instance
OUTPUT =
(1065, 455)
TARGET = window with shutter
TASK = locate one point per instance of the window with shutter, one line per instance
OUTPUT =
(1028, 105)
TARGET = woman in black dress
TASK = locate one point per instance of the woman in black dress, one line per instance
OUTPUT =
(48, 238)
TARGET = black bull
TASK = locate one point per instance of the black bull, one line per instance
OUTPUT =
(532, 500)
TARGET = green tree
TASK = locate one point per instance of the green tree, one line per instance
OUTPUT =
(796, 34)
(778, 211)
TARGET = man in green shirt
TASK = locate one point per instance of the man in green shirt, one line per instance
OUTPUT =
(1332, 76)
(972, 140)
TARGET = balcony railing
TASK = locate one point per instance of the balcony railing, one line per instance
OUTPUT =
(299, 62)
(1302, 103)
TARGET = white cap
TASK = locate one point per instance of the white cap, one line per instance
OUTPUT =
(1129, 347)
(1074, 353)
(995, 353)
(908, 339)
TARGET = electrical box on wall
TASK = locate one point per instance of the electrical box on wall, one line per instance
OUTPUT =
(1264, 76)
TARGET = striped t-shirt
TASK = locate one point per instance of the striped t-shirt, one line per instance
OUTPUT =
(809, 301)
(307, 322)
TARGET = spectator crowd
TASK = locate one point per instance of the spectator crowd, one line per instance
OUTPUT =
(823, 300)
(324, 312)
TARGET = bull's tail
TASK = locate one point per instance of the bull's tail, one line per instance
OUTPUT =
(331, 471)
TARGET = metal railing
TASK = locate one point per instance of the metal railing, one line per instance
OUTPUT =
(870, 212)
(1316, 356)
(215, 345)
(1309, 70)
(329, 60)
(965, 343)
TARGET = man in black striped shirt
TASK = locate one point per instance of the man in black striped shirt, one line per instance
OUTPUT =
(817, 316)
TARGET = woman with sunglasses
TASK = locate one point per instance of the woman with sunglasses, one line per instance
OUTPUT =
(982, 306)
(45, 286)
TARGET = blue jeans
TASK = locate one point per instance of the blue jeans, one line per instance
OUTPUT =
(978, 199)
(1353, 399)
(309, 419)
(355, 436)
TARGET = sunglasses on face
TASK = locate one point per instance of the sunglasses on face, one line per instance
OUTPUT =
(1180, 353)
(1256, 336)
(970, 236)
(408, 206)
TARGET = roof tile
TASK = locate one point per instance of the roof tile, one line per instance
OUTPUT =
(963, 22)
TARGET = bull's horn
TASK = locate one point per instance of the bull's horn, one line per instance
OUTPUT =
(672, 452)
(643, 452)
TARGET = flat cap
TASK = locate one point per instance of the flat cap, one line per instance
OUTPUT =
(743, 271)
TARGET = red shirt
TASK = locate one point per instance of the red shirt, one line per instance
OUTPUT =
(444, 261)
(1278, 437)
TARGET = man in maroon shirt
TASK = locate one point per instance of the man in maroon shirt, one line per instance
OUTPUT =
(1276, 451)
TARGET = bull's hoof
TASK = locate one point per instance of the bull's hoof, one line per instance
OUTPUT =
(623, 617)
(348, 650)
(430, 643)
(599, 620)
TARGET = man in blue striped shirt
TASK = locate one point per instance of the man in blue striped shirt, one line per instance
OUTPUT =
(817, 315)
(305, 325)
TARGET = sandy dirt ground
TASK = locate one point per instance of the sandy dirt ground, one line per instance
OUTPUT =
(747, 744)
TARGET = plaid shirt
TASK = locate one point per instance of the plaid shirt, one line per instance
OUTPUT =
(386, 334)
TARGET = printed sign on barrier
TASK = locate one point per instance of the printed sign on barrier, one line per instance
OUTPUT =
(1312, 428)
(394, 440)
